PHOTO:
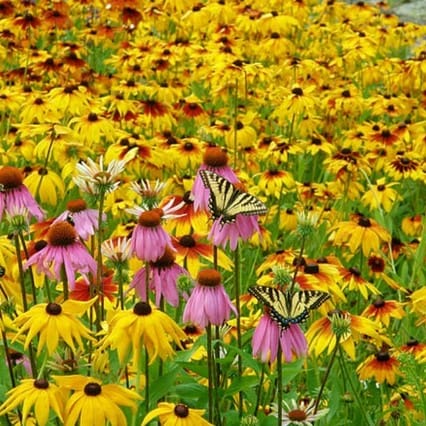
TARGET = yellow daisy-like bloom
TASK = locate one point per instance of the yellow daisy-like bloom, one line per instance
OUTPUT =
(380, 195)
(142, 327)
(38, 396)
(360, 232)
(412, 225)
(383, 310)
(418, 304)
(95, 404)
(49, 185)
(273, 182)
(176, 415)
(53, 322)
(382, 366)
(322, 334)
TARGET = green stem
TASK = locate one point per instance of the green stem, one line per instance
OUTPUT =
(298, 263)
(280, 385)
(99, 260)
(7, 354)
(238, 307)
(33, 289)
(21, 274)
(327, 373)
(355, 392)
(46, 161)
(64, 279)
(210, 370)
(259, 390)
(235, 124)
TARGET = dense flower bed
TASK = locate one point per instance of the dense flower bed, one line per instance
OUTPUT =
(212, 213)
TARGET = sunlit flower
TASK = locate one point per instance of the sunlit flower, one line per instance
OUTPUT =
(162, 276)
(83, 288)
(93, 403)
(191, 251)
(382, 366)
(15, 195)
(37, 396)
(54, 322)
(301, 413)
(142, 327)
(268, 336)
(353, 280)
(46, 184)
(322, 334)
(176, 414)
(208, 303)
(63, 252)
(380, 195)
(84, 220)
(412, 225)
(383, 310)
(361, 232)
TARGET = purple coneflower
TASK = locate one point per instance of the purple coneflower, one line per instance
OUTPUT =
(149, 240)
(215, 159)
(14, 195)
(63, 251)
(163, 276)
(243, 227)
(85, 220)
(209, 303)
(268, 336)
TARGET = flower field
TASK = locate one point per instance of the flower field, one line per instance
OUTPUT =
(212, 213)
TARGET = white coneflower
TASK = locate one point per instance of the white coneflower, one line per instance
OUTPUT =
(299, 414)
(95, 178)
(167, 210)
(117, 249)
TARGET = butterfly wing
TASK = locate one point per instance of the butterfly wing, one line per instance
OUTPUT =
(226, 201)
(288, 309)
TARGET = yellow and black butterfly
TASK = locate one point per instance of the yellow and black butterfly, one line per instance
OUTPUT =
(286, 308)
(226, 201)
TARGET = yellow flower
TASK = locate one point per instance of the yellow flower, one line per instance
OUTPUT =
(38, 396)
(95, 404)
(360, 232)
(53, 322)
(47, 183)
(380, 195)
(322, 334)
(382, 366)
(176, 415)
(142, 327)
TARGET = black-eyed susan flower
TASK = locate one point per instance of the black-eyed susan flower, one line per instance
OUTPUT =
(383, 310)
(274, 181)
(353, 280)
(380, 195)
(412, 225)
(302, 413)
(142, 327)
(341, 327)
(37, 396)
(191, 250)
(63, 252)
(54, 322)
(176, 414)
(378, 268)
(418, 304)
(93, 403)
(360, 232)
(382, 366)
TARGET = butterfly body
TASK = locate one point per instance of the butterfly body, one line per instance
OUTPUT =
(226, 201)
(286, 308)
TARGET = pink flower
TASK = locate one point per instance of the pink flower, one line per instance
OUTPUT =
(163, 276)
(215, 159)
(243, 228)
(14, 195)
(149, 240)
(209, 303)
(63, 250)
(268, 335)
(85, 220)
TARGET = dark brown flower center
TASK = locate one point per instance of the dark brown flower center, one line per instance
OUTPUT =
(40, 245)
(11, 177)
(209, 277)
(53, 309)
(166, 260)
(297, 91)
(215, 156)
(150, 219)
(364, 222)
(181, 410)
(76, 206)
(142, 309)
(379, 303)
(92, 389)
(383, 356)
(297, 415)
(187, 241)
(61, 234)
(311, 268)
(41, 384)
